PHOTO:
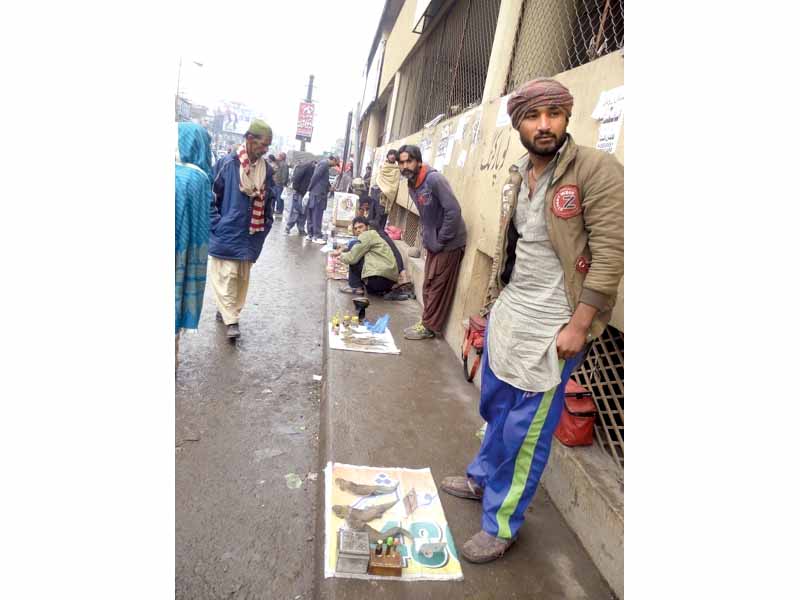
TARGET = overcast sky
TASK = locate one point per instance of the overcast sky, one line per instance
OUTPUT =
(269, 73)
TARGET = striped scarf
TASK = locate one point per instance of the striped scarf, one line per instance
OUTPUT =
(251, 183)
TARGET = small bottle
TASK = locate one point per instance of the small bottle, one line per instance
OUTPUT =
(389, 545)
(379, 548)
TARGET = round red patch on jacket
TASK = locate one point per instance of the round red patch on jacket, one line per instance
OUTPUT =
(582, 265)
(567, 202)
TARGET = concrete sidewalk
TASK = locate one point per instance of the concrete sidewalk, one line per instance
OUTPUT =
(416, 410)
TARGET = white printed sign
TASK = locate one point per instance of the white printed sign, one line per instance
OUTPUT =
(609, 112)
(502, 112)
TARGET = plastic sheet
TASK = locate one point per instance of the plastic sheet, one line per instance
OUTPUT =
(378, 326)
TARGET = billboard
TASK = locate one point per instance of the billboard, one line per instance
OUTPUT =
(183, 109)
(305, 121)
(236, 117)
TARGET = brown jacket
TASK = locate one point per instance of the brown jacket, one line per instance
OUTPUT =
(585, 201)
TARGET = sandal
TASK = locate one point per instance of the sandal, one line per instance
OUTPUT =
(355, 291)
(463, 487)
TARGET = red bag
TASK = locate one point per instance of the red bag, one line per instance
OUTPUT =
(577, 420)
(473, 340)
(394, 232)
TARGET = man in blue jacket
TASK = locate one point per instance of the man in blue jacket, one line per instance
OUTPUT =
(241, 217)
(444, 236)
(301, 179)
(318, 198)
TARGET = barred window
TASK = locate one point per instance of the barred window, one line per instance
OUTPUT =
(558, 35)
(408, 222)
(446, 73)
(603, 373)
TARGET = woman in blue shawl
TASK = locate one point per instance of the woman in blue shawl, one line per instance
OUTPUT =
(192, 202)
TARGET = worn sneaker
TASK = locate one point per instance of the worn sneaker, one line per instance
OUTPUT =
(301, 232)
(484, 548)
(320, 241)
(418, 332)
(233, 331)
(309, 238)
(462, 487)
(398, 295)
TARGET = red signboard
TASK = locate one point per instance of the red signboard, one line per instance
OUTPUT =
(305, 121)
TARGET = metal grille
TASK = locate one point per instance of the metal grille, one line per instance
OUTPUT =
(407, 221)
(603, 373)
(558, 35)
(395, 215)
(447, 71)
(411, 228)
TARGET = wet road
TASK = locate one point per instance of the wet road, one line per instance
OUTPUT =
(246, 415)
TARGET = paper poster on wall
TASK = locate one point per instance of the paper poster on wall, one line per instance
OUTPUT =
(502, 112)
(426, 148)
(476, 125)
(444, 148)
(448, 154)
(462, 123)
(609, 112)
(441, 152)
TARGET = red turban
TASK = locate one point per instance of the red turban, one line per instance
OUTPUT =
(538, 93)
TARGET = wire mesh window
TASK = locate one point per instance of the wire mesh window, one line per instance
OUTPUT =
(603, 373)
(447, 71)
(558, 35)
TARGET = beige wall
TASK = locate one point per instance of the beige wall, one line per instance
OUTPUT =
(490, 150)
(398, 46)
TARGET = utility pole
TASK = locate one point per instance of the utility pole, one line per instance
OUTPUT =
(180, 63)
(347, 141)
(357, 142)
(308, 99)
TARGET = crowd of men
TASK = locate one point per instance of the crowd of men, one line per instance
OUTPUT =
(556, 270)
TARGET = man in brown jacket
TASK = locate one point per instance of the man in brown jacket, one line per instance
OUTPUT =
(557, 267)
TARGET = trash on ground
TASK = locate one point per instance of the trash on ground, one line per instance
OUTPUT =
(293, 481)
(481, 432)
(312, 476)
(317, 377)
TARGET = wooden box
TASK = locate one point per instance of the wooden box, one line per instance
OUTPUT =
(390, 566)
